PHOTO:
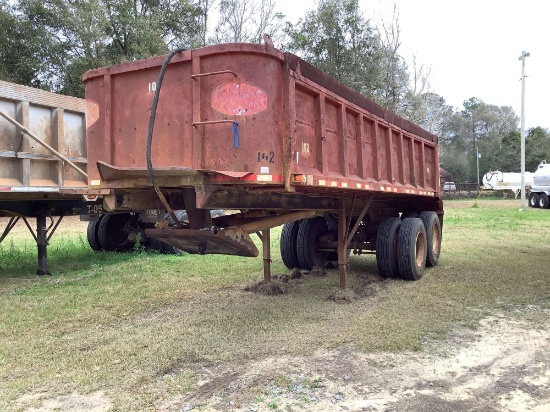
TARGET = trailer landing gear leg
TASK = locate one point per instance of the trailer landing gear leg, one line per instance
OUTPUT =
(266, 249)
(342, 255)
(42, 243)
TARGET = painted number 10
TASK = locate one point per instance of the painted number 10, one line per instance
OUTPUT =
(152, 86)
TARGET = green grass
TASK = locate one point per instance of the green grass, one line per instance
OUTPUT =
(136, 325)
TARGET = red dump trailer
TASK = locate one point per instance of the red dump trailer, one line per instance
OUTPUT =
(246, 127)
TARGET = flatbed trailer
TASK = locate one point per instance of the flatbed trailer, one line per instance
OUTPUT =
(249, 128)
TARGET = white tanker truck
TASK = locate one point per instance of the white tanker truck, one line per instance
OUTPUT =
(506, 181)
(540, 190)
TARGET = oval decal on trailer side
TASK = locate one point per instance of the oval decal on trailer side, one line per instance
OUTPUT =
(239, 99)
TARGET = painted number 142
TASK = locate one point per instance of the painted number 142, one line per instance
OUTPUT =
(266, 157)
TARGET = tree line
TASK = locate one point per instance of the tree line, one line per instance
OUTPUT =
(50, 43)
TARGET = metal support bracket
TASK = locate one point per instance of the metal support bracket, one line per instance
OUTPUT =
(13, 221)
(359, 219)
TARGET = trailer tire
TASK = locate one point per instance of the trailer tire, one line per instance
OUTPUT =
(111, 234)
(92, 233)
(307, 243)
(433, 236)
(544, 202)
(288, 245)
(386, 247)
(411, 249)
(534, 200)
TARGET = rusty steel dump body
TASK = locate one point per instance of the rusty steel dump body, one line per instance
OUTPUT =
(42, 161)
(292, 120)
(247, 127)
(59, 121)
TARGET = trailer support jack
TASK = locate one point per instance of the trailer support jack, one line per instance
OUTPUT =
(343, 264)
(265, 237)
(42, 244)
(42, 236)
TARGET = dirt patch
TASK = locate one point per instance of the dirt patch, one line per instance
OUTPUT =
(504, 366)
(368, 287)
(95, 402)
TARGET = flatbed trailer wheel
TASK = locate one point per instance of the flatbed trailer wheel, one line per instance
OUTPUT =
(411, 249)
(92, 234)
(534, 200)
(544, 202)
(307, 243)
(386, 247)
(287, 243)
(113, 232)
(433, 236)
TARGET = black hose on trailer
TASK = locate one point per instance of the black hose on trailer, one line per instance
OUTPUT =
(150, 137)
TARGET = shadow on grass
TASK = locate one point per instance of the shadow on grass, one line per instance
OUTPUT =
(66, 256)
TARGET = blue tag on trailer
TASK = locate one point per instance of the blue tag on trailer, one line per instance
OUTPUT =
(235, 129)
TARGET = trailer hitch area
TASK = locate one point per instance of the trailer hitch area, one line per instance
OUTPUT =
(231, 241)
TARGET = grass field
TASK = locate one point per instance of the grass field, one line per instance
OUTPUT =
(136, 325)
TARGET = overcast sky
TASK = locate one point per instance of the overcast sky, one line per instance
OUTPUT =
(472, 47)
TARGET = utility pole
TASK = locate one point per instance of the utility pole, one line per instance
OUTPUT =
(522, 130)
(477, 159)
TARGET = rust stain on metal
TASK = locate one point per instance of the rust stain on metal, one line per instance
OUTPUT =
(239, 99)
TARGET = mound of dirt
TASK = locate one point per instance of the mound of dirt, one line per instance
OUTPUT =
(317, 271)
(343, 296)
(368, 287)
(296, 274)
(267, 288)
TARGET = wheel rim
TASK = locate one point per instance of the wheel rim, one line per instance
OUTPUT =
(420, 249)
(115, 231)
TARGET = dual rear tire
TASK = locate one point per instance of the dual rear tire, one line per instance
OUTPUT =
(543, 202)
(299, 243)
(534, 200)
(405, 247)
(110, 232)
(539, 200)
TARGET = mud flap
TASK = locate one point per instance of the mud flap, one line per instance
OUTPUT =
(207, 241)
